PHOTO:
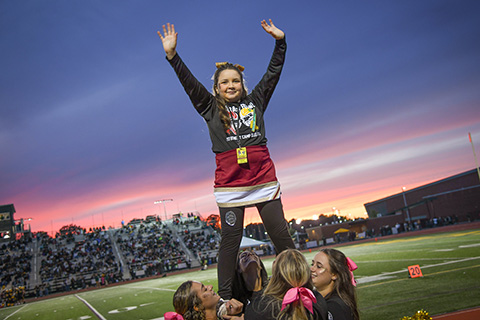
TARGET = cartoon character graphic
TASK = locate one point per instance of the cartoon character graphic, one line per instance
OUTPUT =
(248, 116)
(243, 116)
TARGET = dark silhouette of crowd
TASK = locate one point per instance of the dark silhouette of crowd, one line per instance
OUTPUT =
(77, 258)
(150, 249)
(15, 268)
(198, 242)
(11, 297)
(70, 263)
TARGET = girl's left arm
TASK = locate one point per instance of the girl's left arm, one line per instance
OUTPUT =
(272, 30)
(263, 91)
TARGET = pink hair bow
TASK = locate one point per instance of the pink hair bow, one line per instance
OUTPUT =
(295, 294)
(172, 316)
(352, 266)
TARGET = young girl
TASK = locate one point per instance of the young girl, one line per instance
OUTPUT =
(332, 276)
(245, 174)
(288, 294)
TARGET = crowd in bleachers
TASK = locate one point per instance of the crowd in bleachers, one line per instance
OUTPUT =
(15, 263)
(11, 297)
(69, 263)
(78, 259)
(199, 242)
(150, 249)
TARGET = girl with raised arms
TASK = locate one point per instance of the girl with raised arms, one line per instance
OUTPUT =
(245, 173)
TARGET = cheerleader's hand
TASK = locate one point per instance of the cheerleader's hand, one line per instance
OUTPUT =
(169, 40)
(272, 30)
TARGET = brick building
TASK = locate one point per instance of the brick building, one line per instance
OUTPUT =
(456, 196)
(453, 199)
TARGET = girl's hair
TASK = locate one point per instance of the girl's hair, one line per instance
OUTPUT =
(343, 285)
(187, 303)
(291, 270)
(223, 113)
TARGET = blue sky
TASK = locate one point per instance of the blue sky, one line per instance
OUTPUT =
(94, 125)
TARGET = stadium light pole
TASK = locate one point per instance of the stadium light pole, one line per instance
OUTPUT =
(474, 155)
(22, 223)
(164, 208)
(406, 206)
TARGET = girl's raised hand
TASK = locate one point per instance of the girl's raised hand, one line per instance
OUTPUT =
(169, 40)
(271, 29)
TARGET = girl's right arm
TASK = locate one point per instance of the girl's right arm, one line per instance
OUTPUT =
(169, 40)
(201, 99)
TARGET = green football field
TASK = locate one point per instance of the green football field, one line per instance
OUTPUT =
(449, 262)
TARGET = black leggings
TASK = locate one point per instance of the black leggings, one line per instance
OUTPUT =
(275, 224)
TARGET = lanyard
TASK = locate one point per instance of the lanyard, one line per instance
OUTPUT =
(241, 151)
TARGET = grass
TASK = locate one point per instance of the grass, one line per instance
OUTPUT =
(450, 263)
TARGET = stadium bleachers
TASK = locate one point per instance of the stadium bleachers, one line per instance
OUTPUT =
(78, 259)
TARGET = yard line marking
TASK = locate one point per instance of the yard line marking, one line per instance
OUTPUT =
(14, 312)
(147, 288)
(446, 271)
(470, 245)
(146, 304)
(450, 262)
(372, 278)
(91, 308)
(430, 274)
(402, 260)
(385, 275)
(415, 238)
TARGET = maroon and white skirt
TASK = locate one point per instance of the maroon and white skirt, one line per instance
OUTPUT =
(246, 184)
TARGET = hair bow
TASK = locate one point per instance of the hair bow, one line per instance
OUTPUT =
(172, 316)
(239, 67)
(352, 266)
(295, 294)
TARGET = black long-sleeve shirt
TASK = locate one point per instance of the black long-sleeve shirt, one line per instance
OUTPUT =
(243, 113)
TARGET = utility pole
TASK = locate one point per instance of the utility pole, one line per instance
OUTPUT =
(474, 155)
(406, 206)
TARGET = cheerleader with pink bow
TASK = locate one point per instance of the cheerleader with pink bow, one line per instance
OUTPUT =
(289, 293)
(332, 276)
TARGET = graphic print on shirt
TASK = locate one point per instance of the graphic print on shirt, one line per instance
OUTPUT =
(233, 112)
(248, 116)
(243, 116)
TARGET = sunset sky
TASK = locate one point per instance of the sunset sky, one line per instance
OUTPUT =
(95, 126)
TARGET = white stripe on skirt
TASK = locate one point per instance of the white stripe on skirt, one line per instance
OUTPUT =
(246, 196)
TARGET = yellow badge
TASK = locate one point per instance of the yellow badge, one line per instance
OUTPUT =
(242, 155)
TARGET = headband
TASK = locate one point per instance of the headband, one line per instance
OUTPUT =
(172, 316)
(352, 266)
(296, 294)
(239, 67)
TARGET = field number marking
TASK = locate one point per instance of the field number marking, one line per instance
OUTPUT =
(415, 271)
